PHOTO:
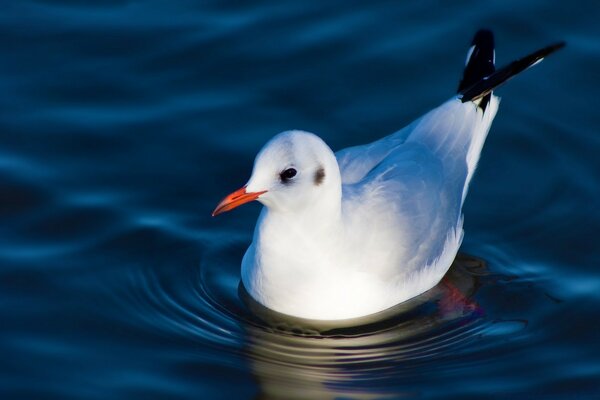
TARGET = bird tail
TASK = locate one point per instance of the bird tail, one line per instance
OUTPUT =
(480, 77)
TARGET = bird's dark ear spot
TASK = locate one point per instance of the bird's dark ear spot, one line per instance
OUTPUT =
(319, 176)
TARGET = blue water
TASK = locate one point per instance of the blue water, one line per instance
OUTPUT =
(123, 123)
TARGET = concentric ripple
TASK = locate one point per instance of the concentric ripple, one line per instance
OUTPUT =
(123, 123)
(294, 359)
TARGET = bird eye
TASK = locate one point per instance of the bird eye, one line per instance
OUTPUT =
(287, 174)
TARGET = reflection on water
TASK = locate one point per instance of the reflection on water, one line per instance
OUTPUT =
(368, 358)
(122, 123)
(388, 355)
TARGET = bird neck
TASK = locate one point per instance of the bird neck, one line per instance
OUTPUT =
(294, 249)
(309, 236)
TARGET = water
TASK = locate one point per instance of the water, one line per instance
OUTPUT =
(123, 123)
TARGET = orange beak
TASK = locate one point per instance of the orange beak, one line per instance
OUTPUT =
(236, 199)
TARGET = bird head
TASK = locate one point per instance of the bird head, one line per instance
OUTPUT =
(293, 171)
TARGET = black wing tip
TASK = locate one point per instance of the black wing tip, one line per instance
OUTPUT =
(480, 59)
(552, 48)
(557, 45)
(483, 35)
(485, 85)
(480, 62)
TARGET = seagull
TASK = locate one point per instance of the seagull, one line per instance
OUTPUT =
(349, 234)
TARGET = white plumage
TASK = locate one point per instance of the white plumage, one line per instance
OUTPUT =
(381, 228)
(353, 233)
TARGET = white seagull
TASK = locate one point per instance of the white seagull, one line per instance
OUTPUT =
(348, 234)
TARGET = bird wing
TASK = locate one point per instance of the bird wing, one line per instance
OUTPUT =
(357, 161)
(418, 178)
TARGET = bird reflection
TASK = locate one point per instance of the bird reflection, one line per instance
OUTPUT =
(368, 358)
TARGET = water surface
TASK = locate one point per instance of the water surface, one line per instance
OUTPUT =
(123, 123)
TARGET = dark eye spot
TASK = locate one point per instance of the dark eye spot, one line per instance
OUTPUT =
(319, 176)
(287, 174)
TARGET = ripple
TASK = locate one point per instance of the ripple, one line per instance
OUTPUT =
(122, 125)
(201, 303)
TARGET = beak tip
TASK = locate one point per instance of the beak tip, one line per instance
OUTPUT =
(236, 199)
(216, 211)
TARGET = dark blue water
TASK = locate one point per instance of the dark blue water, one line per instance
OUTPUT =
(123, 123)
